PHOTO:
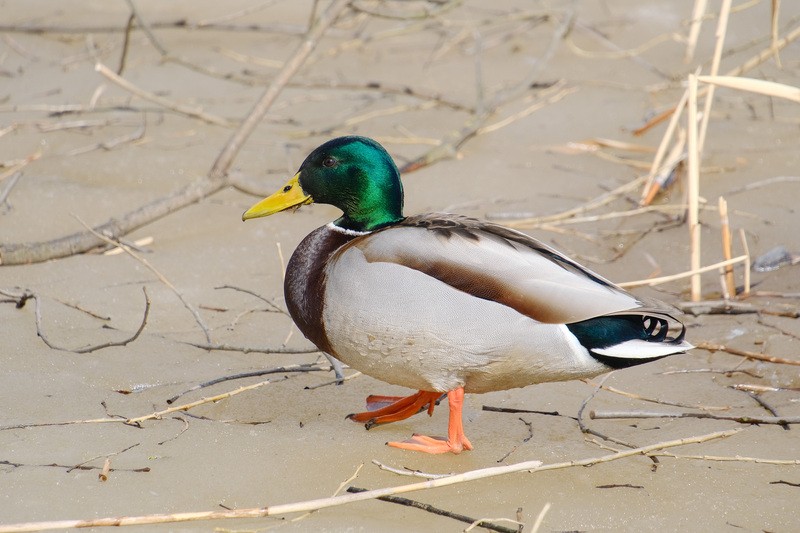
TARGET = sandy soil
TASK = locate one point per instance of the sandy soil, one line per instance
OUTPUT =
(284, 442)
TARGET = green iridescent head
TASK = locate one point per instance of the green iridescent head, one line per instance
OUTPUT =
(355, 174)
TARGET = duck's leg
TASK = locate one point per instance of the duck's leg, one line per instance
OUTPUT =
(456, 441)
(400, 408)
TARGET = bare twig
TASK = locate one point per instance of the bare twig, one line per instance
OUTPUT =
(126, 43)
(437, 511)
(19, 165)
(267, 301)
(278, 370)
(251, 349)
(662, 402)
(520, 411)
(337, 381)
(769, 408)
(68, 467)
(157, 415)
(195, 313)
(712, 347)
(587, 430)
(732, 307)
(743, 419)
(194, 112)
(763, 183)
(89, 349)
(408, 472)
(12, 181)
(146, 28)
(111, 144)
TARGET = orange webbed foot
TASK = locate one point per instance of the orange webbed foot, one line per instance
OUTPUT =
(455, 442)
(423, 443)
(393, 408)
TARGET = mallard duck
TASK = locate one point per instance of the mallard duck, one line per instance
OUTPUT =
(447, 304)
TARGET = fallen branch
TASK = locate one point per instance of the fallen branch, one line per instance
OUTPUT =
(281, 509)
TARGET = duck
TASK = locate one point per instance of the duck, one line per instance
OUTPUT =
(446, 304)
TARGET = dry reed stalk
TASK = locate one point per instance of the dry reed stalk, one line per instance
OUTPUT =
(694, 30)
(281, 509)
(540, 518)
(116, 250)
(599, 201)
(20, 164)
(746, 248)
(728, 283)
(712, 347)
(157, 415)
(103, 475)
(689, 273)
(776, 8)
(694, 189)
(722, 28)
(750, 64)
(767, 88)
(651, 188)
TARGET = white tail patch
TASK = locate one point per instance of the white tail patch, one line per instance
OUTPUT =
(640, 349)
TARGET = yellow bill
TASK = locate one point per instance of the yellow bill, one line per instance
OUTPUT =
(290, 195)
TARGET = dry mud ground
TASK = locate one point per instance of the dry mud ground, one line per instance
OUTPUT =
(411, 83)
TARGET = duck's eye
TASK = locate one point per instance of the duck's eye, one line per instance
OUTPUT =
(329, 162)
